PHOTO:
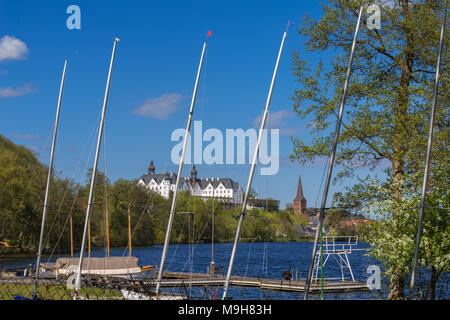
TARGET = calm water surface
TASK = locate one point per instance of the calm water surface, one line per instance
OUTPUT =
(267, 260)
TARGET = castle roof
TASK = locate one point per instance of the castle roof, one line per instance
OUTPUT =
(159, 177)
(214, 182)
(192, 181)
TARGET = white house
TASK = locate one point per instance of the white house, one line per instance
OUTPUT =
(223, 189)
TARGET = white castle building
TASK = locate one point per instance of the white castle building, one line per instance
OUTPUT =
(223, 189)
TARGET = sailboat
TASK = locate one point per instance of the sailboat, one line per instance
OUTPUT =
(180, 168)
(319, 230)
(252, 169)
(104, 266)
(47, 189)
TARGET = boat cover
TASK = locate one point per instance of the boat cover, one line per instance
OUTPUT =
(101, 266)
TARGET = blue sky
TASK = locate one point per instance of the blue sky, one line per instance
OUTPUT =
(156, 62)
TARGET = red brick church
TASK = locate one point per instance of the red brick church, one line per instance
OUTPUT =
(299, 201)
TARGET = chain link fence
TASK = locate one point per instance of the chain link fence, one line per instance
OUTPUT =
(20, 284)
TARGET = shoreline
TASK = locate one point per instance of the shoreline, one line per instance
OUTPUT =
(26, 253)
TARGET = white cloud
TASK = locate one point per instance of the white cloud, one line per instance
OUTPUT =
(21, 91)
(277, 120)
(12, 48)
(160, 108)
(25, 136)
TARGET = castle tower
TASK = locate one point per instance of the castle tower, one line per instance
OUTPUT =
(151, 168)
(193, 175)
(300, 201)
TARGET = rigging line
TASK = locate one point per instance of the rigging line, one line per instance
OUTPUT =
(203, 98)
(81, 156)
(180, 169)
(248, 260)
(47, 239)
(139, 221)
(94, 171)
(58, 212)
(321, 182)
(57, 242)
(63, 230)
(198, 240)
(263, 258)
(251, 173)
(429, 149)
(106, 191)
(64, 227)
(191, 253)
(73, 205)
(35, 173)
(332, 158)
(177, 245)
(190, 259)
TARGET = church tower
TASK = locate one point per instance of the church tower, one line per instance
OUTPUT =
(300, 201)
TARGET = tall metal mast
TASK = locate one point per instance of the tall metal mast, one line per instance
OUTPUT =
(332, 158)
(428, 156)
(94, 170)
(212, 267)
(252, 170)
(50, 168)
(129, 229)
(180, 168)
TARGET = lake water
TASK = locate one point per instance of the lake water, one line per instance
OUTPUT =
(267, 260)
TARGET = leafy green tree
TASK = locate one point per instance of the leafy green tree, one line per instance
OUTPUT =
(393, 236)
(22, 179)
(388, 100)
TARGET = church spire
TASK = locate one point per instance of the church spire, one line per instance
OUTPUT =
(300, 200)
(300, 191)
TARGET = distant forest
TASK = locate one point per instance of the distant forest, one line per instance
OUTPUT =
(23, 182)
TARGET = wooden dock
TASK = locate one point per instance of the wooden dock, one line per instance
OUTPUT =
(184, 280)
(181, 279)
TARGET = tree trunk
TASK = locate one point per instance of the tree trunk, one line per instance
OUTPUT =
(401, 132)
(397, 286)
(433, 280)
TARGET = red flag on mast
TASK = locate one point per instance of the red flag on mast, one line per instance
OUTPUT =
(209, 33)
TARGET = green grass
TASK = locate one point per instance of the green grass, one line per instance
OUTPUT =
(55, 292)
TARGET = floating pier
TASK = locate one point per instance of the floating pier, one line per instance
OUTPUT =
(182, 279)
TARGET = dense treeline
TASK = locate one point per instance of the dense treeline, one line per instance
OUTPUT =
(23, 179)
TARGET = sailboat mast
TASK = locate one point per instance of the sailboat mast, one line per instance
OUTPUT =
(212, 240)
(332, 158)
(252, 170)
(180, 168)
(71, 235)
(94, 171)
(129, 229)
(89, 238)
(49, 175)
(107, 229)
(429, 146)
